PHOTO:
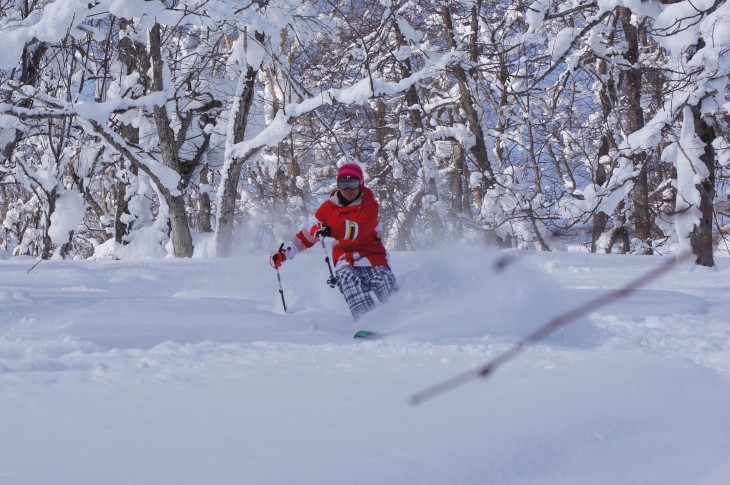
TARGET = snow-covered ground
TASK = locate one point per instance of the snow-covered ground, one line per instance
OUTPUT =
(189, 372)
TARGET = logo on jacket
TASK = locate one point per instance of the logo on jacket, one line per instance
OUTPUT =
(351, 229)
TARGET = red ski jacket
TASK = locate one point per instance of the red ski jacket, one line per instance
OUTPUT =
(354, 227)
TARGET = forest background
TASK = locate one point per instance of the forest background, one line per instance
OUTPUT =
(134, 128)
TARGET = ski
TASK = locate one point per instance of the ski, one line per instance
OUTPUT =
(367, 334)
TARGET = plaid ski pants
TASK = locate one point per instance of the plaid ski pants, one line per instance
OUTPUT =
(356, 283)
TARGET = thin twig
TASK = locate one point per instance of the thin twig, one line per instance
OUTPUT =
(33, 267)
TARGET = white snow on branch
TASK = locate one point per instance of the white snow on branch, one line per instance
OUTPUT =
(102, 111)
(69, 213)
(151, 8)
(691, 171)
(165, 176)
(63, 16)
(360, 92)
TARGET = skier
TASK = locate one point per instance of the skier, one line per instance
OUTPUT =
(350, 218)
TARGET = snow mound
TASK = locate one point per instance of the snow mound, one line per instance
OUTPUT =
(475, 292)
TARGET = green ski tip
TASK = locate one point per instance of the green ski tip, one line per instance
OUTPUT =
(366, 334)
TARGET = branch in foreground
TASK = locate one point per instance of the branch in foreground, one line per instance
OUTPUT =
(563, 319)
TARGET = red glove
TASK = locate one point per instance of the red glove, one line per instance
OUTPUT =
(320, 230)
(277, 259)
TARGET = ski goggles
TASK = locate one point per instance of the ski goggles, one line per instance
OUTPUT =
(348, 183)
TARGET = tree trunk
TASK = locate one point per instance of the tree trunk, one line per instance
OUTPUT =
(701, 236)
(204, 204)
(121, 228)
(619, 233)
(634, 122)
(48, 246)
(182, 241)
(457, 176)
(227, 203)
(467, 104)
(600, 219)
(224, 238)
(413, 101)
(608, 98)
(133, 55)
(30, 72)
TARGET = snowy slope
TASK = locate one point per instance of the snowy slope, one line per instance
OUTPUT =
(188, 371)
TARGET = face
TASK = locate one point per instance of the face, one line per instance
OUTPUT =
(349, 189)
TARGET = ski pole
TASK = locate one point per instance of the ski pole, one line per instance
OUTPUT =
(281, 290)
(332, 280)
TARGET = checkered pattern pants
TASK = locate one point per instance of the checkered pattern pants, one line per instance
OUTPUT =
(356, 283)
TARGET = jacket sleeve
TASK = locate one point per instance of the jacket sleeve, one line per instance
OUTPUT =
(302, 240)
